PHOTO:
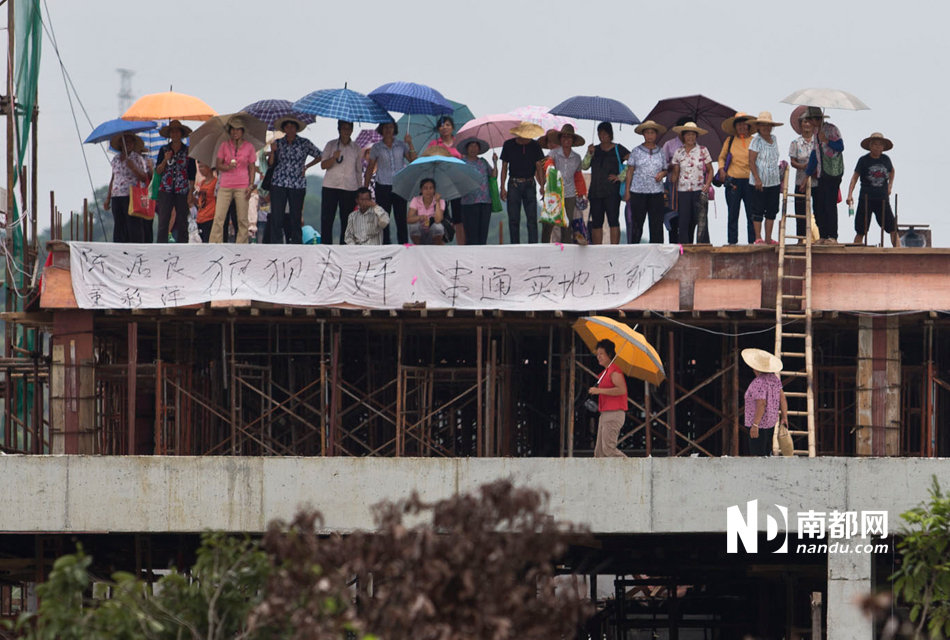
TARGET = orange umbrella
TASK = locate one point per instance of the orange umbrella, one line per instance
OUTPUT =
(169, 106)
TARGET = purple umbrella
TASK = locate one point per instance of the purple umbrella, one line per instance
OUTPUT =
(706, 113)
(367, 138)
(270, 111)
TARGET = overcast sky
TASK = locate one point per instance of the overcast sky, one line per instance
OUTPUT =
(496, 55)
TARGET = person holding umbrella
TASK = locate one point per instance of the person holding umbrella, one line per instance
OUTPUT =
(799, 151)
(343, 162)
(445, 144)
(766, 177)
(829, 167)
(177, 185)
(524, 154)
(692, 175)
(129, 168)
(476, 205)
(606, 164)
(734, 173)
(289, 156)
(386, 157)
(646, 169)
(236, 163)
(611, 392)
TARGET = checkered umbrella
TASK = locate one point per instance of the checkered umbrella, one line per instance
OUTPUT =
(596, 108)
(270, 111)
(411, 97)
(342, 104)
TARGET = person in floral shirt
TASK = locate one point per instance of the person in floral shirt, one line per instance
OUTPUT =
(177, 186)
(692, 175)
(129, 168)
(289, 156)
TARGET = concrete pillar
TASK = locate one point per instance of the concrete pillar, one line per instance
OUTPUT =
(73, 384)
(849, 578)
(878, 387)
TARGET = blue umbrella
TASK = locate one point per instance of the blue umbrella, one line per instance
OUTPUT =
(596, 108)
(453, 177)
(410, 97)
(105, 131)
(270, 111)
(423, 129)
(342, 104)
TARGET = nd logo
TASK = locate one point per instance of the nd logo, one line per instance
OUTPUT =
(746, 528)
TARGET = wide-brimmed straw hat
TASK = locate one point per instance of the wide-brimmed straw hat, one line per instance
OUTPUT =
(765, 117)
(761, 361)
(435, 150)
(877, 135)
(526, 130)
(462, 145)
(175, 124)
(649, 124)
(236, 122)
(137, 145)
(686, 128)
(566, 130)
(729, 124)
(279, 125)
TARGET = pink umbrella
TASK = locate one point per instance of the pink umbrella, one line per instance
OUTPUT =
(540, 116)
(367, 138)
(493, 129)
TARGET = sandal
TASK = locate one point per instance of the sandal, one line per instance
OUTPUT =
(759, 241)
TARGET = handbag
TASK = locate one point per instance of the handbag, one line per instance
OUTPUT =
(592, 405)
(621, 172)
(269, 174)
(725, 166)
(154, 185)
(785, 444)
(141, 204)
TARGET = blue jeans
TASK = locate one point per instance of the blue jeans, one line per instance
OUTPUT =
(738, 191)
(522, 194)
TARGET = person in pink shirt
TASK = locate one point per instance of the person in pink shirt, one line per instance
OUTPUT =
(236, 164)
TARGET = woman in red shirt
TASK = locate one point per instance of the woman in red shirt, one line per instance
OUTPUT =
(612, 402)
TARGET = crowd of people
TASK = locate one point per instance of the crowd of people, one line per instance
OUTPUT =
(663, 188)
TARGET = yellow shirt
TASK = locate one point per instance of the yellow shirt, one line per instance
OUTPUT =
(739, 167)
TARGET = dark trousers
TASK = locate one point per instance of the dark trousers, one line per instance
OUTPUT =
(476, 218)
(761, 446)
(765, 203)
(204, 230)
(687, 208)
(332, 199)
(608, 207)
(880, 208)
(522, 195)
(738, 192)
(283, 225)
(642, 207)
(166, 202)
(396, 206)
(120, 219)
(800, 211)
(826, 205)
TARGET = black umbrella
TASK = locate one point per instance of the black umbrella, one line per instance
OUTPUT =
(706, 113)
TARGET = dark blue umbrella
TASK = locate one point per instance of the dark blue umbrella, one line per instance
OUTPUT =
(342, 104)
(454, 178)
(270, 111)
(411, 97)
(105, 131)
(596, 108)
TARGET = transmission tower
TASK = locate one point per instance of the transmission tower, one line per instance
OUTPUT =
(125, 89)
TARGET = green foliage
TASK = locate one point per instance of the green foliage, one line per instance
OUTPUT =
(212, 602)
(923, 580)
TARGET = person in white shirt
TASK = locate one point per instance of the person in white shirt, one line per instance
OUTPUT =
(367, 222)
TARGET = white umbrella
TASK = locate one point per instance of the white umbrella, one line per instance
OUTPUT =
(826, 99)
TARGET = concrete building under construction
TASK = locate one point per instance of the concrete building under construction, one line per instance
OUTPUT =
(134, 429)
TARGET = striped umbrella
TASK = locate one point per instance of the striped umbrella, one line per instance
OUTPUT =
(411, 97)
(271, 110)
(342, 104)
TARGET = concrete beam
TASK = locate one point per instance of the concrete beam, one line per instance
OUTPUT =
(641, 495)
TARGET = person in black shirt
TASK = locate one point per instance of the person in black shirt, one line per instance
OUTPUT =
(876, 173)
(606, 163)
(524, 155)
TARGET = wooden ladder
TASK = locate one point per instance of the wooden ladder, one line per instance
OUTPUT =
(793, 304)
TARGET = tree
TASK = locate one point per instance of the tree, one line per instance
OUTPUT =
(482, 567)
(923, 580)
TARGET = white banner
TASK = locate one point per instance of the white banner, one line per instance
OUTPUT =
(511, 277)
